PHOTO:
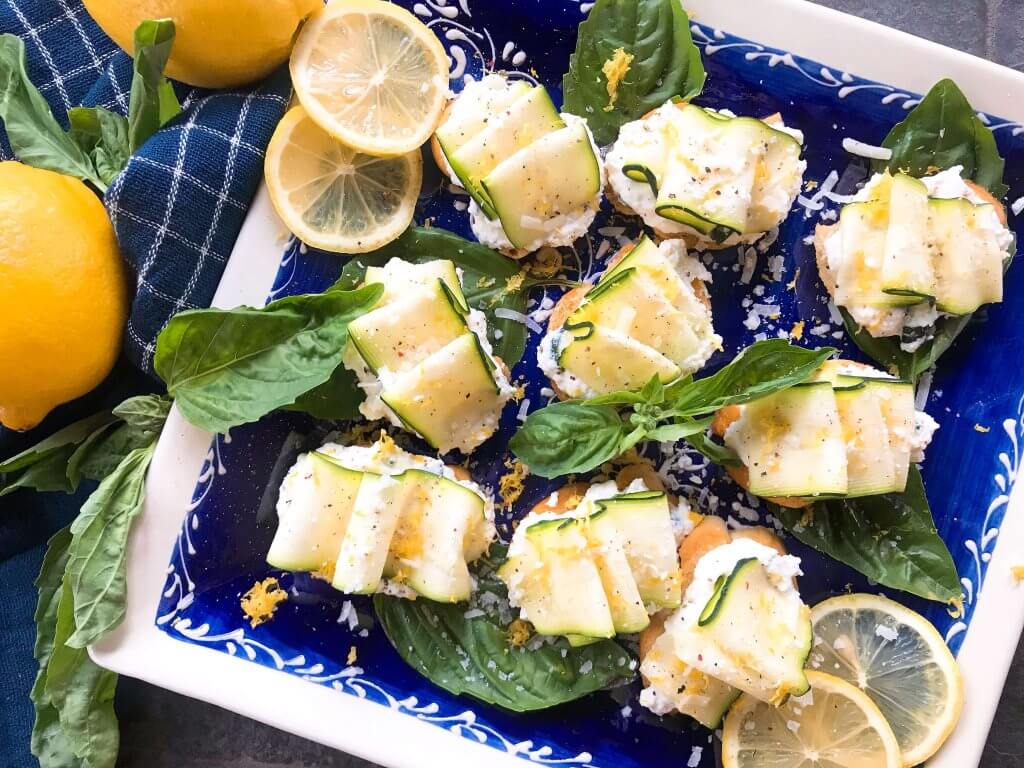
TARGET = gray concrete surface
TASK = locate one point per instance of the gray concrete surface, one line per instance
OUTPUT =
(164, 730)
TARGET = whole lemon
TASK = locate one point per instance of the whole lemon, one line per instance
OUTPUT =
(63, 295)
(217, 44)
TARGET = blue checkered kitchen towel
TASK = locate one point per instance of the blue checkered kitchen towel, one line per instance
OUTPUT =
(179, 203)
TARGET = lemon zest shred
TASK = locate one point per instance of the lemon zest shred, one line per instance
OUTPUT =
(980, 428)
(353, 654)
(261, 601)
(519, 633)
(510, 485)
(1018, 573)
(615, 70)
(797, 331)
(325, 572)
(515, 283)
(791, 285)
(955, 608)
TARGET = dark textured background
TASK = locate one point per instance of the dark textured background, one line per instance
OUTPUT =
(164, 730)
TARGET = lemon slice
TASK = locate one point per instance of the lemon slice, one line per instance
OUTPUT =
(334, 198)
(371, 74)
(833, 725)
(898, 659)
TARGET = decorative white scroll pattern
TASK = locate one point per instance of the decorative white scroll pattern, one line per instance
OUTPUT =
(453, 23)
(179, 583)
(981, 547)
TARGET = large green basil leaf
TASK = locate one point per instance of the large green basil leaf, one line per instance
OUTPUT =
(82, 693)
(231, 367)
(761, 369)
(152, 102)
(490, 281)
(473, 656)
(941, 132)
(49, 743)
(33, 132)
(891, 539)
(666, 64)
(564, 438)
(99, 549)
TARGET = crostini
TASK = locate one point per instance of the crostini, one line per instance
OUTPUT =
(649, 314)
(709, 177)
(423, 358)
(534, 175)
(742, 627)
(850, 431)
(907, 251)
(593, 562)
(380, 519)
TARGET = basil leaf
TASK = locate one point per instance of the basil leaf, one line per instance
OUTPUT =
(103, 136)
(665, 65)
(33, 132)
(49, 744)
(98, 552)
(47, 474)
(71, 435)
(144, 412)
(886, 350)
(761, 369)
(336, 399)
(569, 437)
(82, 693)
(231, 367)
(473, 656)
(485, 280)
(891, 539)
(941, 132)
(102, 451)
(152, 101)
(714, 452)
(670, 433)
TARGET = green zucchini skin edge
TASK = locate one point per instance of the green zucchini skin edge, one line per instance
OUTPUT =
(721, 591)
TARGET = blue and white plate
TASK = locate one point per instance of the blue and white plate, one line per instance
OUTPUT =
(322, 647)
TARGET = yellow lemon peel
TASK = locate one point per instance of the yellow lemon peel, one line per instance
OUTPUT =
(519, 633)
(261, 601)
(325, 572)
(510, 485)
(615, 70)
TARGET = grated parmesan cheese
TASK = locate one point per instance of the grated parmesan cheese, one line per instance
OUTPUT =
(870, 151)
